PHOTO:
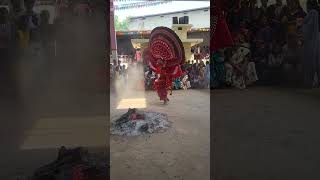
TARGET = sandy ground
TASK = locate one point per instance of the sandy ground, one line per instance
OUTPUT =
(183, 152)
(34, 127)
(266, 133)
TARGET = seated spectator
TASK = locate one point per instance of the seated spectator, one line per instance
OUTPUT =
(218, 61)
(240, 72)
(195, 82)
(176, 84)
(185, 83)
(202, 79)
(275, 58)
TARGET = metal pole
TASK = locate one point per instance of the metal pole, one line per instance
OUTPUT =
(114, 55)
(55, 47)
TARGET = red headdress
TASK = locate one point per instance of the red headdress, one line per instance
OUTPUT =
(165, 50)
(165, 55)
(220, 34)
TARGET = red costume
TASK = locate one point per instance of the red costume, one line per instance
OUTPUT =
(165, 55)
(220, 34)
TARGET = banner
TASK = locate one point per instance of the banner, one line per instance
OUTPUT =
(140, 4)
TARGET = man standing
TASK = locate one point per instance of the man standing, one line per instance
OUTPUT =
(27, 24)
(31, 18)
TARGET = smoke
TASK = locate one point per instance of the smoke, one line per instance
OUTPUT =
(130, 87)
(62, 78)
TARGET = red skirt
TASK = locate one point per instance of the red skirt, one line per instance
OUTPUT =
(161, 86)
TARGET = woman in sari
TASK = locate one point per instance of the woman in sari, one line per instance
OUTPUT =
(292, 20)
(311, 44)
(202, 78)
(185, 83)
(176, 84)
(218, 78)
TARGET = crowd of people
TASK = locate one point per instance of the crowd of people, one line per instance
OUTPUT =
(22, 34)
(30, 39)
(196, 75)
(268, 44)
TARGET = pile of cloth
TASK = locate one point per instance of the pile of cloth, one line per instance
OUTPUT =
(135, 122)
(75, 164)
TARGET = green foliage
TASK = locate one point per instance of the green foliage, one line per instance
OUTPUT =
(121, 25)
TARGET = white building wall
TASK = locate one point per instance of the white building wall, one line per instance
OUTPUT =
(5, 6)
(198, 18)
(50, 8)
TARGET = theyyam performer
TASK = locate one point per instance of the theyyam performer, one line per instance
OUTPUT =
(165, 55)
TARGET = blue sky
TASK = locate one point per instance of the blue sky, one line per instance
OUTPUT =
(163, 8)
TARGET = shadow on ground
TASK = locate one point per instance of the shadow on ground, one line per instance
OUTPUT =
(266, 133)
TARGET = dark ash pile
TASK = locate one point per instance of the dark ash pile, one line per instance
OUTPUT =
(134, 123)
(74, 163)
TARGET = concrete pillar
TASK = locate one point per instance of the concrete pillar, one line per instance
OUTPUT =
(113, 37)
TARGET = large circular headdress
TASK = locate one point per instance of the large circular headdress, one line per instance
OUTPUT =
(166, 45)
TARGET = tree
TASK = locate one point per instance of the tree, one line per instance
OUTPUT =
(121, 25)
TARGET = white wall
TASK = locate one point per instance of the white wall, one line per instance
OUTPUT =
(7, 7)
(51, 8)
(198, 18)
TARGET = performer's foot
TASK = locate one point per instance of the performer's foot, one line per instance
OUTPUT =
(165, 101)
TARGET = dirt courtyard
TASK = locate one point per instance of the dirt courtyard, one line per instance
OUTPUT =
(266, 133)
(183, 152)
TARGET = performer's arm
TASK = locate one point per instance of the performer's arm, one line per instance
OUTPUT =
(175, 70)
(153, 68)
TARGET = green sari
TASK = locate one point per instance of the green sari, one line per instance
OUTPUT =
(218, 75)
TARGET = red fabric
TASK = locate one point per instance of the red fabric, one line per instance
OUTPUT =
(165, 56)
(146, 56)
(165, 45)
(221, 37)
(164, 82)
(161, 86)
(136, 116)
(77, 173)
